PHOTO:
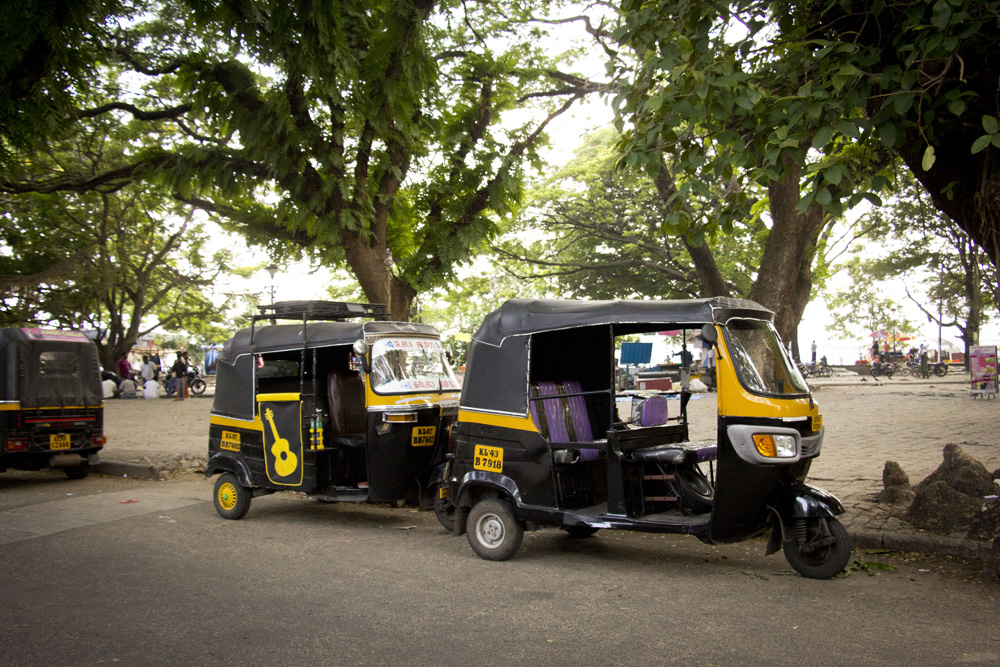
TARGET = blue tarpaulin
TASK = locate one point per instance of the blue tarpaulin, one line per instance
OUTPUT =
(636, 353)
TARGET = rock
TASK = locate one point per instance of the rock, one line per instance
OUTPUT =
(896, 488)
(938, 507)
(992, 569)
(963, 474)
(986, 522)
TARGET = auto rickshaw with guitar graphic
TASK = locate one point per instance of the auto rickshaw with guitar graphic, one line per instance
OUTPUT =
(342, 405)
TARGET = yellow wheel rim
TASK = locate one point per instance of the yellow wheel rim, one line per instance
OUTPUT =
(227, 496)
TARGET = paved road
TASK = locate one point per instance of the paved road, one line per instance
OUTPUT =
(90, 578)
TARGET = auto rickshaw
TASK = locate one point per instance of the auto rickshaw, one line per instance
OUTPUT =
(341, 410)
(51, 403)
(543, 437)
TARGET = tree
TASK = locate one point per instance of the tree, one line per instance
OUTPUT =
(352, 129)
(710, 110)
(128, 262)
(825, 89)
(944, 272)
(606, 234)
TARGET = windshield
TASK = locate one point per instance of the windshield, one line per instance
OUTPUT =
(401, 365)
(762, 364)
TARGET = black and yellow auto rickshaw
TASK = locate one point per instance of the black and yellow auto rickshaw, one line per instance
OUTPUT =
(339, 409)
(51, 403)
(543, 437)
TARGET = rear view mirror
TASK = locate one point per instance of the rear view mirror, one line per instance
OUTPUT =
(360, 349)
(709, 333)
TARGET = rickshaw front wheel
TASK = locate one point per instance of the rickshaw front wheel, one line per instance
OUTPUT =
(444, 510)
(77, 472)
(232, 499)
(821, 548)
(494, 532)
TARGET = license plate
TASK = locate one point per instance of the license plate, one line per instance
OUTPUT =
(817, 423)
(59, 441)
(488, 458)
(423, 436)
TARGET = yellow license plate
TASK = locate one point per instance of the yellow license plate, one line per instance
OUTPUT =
(59, 441)
(423, 436)
(489, 459)
(817, 423)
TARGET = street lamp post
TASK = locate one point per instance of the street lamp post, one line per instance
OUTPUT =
(272, 269)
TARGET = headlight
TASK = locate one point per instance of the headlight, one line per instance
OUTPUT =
(775, 446)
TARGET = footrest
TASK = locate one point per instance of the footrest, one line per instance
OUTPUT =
(676, 453)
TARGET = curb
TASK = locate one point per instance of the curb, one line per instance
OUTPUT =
(922, 543)
(133, 470)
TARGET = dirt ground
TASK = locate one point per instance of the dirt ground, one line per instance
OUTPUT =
(908, 421)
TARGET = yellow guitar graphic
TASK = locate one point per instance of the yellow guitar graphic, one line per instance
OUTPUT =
(285, 461)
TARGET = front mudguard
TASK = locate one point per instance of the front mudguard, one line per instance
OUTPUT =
(799, 501)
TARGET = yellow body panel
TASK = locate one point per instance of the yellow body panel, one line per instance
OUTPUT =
(735, 401)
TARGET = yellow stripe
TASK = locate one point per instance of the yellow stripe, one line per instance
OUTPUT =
(502, 421)
(255, 425)
(276, 398)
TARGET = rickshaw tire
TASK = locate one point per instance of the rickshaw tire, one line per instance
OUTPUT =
(579, 532)
(829, 561)
(494, 532)
(695, 490)
(444, 510)
(77, 472)
(232, 499)
(197, 386)
(940, 370)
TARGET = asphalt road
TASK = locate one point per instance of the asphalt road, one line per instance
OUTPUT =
(88, 577)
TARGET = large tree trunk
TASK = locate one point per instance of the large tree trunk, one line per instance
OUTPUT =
(784, 278)
(368, 263)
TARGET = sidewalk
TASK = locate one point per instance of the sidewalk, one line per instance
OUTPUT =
(907, 420)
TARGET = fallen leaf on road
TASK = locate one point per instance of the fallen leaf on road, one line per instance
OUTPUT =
(123, 502)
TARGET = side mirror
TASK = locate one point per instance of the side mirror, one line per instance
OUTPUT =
(360, 349)
(709, 333)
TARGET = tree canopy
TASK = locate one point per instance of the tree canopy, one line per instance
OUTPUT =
(353, 129)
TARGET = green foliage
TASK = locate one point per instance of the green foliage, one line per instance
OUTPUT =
(753, 86)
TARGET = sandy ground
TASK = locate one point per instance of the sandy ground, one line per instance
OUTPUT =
(908, 421)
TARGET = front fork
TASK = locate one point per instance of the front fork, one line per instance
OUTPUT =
(795, 505)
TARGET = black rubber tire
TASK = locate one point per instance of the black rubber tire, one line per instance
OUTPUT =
(915, 371)
(579, 532)
(940, 370)
(232, 499)
(826, 562)
(444, 510)
(77, 472)
(494, 532)
(888, 371)
(696, 492)
(197, 386)
(874, 371)
(825, 372)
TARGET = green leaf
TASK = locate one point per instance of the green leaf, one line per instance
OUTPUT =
(980, 143)
(928, 160)
(990, 124)
(822, 136)
(823, 197)
(957, 107)
(887, 134)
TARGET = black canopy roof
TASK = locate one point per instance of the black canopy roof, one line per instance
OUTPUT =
(278, 337)
(526, 316)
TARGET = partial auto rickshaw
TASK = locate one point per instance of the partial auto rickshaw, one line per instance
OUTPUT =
(543, 437)
(51, 403)
(339, 409)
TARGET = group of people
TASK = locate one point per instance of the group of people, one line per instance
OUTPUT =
(146, 382)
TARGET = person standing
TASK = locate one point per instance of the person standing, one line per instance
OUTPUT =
(123, 368)
(814, 352)
(925, 367)
(180, 376)
(147, 370)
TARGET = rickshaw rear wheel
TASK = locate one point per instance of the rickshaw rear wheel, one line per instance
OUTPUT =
(826, 561)
(579, 532)
(77, 472)
(494, 532)
(232, 499)
(695, 490)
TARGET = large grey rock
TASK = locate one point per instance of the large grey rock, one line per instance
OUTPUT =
(896, 488)
(963, 474)
(938, 507)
